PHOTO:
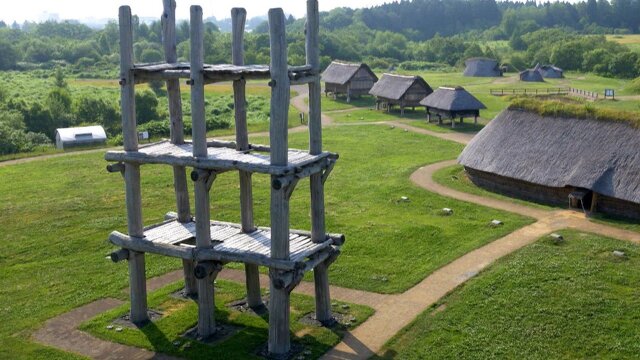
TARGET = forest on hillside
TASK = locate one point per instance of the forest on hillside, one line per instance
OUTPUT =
(408, 34)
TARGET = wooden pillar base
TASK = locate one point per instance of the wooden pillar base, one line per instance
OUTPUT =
(190, 284)
(322, 293)
(254, 299)
(138, 288)
(206, 298)
(279, 313)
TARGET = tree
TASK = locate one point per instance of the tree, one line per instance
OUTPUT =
(146, 107)
(8, 55)
(624, 65)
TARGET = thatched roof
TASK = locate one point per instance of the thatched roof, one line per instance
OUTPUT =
(452, 99)
(551, 71)
(393, 86)
(532, 75)
(599, 155)
(483, 67)
(341, 73)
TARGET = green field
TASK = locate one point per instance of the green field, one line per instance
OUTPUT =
(480, 88)
(179, 315)
(547, 301)
(58, 213)
(631, 41)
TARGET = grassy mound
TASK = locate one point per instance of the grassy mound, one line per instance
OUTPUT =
(634, 86)
(559, 108)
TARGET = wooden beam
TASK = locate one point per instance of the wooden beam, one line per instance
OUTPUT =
(206, 307)
(279, 305)
(137, 279)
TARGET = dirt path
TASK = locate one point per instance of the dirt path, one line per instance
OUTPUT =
(393, 312)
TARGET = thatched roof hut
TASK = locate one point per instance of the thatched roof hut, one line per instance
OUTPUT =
(405, 91)
(551, 72)
(482, 67)
(452, 102)
(348, 79)
(532, 75)
(595, 163)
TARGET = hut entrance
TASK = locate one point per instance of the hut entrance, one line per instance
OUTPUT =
(581, 199)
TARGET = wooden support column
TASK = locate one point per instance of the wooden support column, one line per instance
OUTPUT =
(137, 279)
(279, 342)
(318, 233)
(238, 20)
(206, 306)
(168, 21)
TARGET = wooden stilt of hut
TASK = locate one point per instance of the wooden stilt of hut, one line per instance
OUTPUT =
(452, 103)
(404, 91)
(205, 246)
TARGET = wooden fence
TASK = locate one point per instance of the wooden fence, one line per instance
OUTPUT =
(546, 91)
(590, 95)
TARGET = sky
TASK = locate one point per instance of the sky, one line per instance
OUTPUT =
(39, 10)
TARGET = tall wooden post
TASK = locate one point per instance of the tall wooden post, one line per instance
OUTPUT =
(279, 342)
(318, 233)
(137, 279)
(206, 307)
(238, 20)
(168, 21)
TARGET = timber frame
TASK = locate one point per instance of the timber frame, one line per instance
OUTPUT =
(205, 246)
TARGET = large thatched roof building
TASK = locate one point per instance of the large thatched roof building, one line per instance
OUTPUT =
(404, 91)
(452, 103)
(482, 67)
(551, 72)
(592, 164)
(348, 79)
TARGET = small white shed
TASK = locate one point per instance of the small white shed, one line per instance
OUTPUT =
(80, 136)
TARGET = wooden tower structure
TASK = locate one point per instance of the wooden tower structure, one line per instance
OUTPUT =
(203, 245)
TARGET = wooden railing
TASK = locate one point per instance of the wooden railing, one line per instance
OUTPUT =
(545, 91)
(591, 95)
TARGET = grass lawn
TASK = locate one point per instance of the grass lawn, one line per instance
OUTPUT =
(546, 301)
(372, 115)
(455, 178)
(58, 213)
(180, 315)
(632, 41)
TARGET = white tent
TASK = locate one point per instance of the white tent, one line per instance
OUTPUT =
(80, 136)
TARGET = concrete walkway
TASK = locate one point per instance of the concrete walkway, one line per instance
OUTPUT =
(393, 312)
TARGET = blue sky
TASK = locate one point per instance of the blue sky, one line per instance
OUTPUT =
(37, 10)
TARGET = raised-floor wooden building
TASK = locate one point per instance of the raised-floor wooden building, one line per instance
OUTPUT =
(348, 79)
(452, 103)
(404, 91)
(591, 165)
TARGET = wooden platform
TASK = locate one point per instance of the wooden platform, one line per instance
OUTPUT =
(225, 158)
(229, 244)
(216, 73)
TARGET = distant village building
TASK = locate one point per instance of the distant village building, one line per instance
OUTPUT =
(348, 79)
(482, 67)
(589, 164)
(551, 72)
(80, 136)
(404, 91)
(532, 75)
(452, 103)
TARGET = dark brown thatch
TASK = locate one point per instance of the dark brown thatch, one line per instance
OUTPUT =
(482, 67)
(394, 87)
(532, 75)
(560, 153)
(452, 99)
(341, 73)
(551, 72)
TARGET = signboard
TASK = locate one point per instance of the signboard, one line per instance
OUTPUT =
(609, 93)
(144, 135)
